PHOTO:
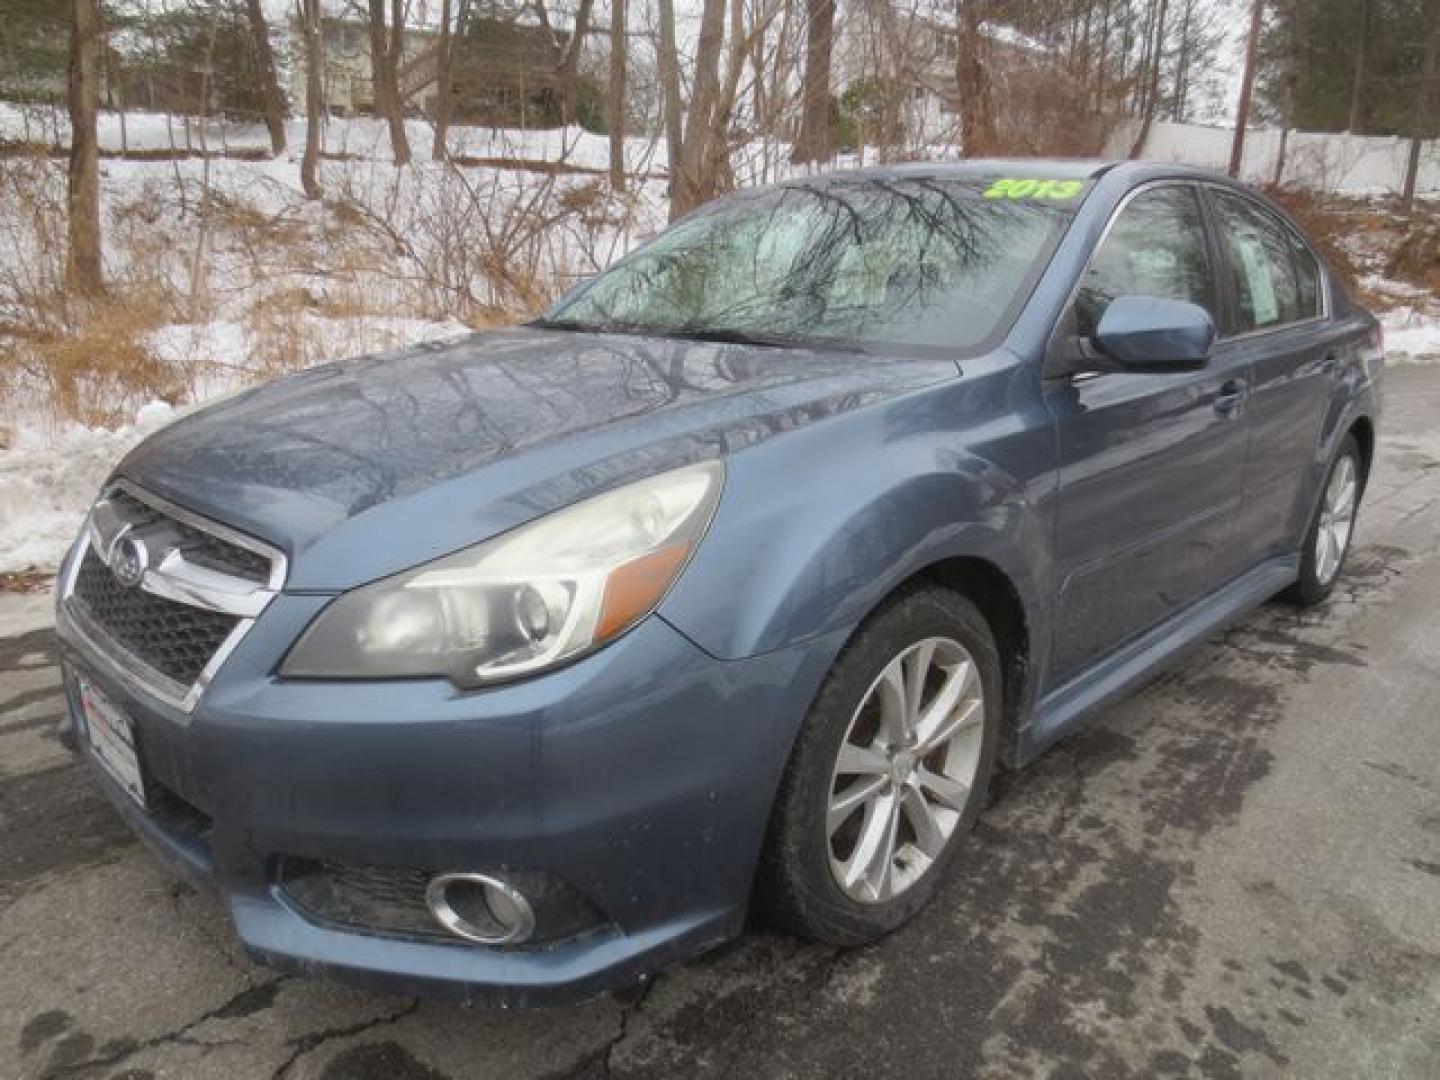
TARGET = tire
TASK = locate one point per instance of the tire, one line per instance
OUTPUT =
(1320, 569)
(799, 882)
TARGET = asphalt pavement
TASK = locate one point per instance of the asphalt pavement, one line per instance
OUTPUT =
(1234, 873)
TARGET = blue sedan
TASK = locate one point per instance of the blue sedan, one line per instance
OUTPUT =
(519, 666)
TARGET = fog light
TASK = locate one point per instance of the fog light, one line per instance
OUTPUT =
(480, 908)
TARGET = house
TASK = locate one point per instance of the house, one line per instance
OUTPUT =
(349, 80)
(505, 70)
(901, 60)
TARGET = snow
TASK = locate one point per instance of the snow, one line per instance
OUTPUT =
(1412, 336)
(50, 474)
(362, 137)
(51, 469)
(49, 478)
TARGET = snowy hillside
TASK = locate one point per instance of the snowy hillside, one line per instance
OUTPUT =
(223, 275)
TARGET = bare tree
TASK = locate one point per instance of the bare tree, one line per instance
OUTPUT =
(82, 267)
(1182, 66)
(199, 280)
(1103, 61)
(670, 91)
(439, 151)
(813, 142)
(1357, 89)
(1425, 107)
(269, 82)
(1150, 94)
(617, 95)
(386, 45)
(1247, 87)
(972, 80)
(570, 60)
(689, 187)
(567, 55)
(314, 95)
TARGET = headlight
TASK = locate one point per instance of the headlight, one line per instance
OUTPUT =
(522, 602)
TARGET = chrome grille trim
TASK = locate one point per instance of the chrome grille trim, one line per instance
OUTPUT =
(174, 578)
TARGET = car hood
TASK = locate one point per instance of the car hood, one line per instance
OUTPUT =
(366, 467)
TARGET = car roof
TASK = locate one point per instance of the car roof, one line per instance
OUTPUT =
(1038, 168)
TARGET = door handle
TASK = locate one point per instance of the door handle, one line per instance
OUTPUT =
(1231, 398)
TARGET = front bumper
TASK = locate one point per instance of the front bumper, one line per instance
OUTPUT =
(642, 777)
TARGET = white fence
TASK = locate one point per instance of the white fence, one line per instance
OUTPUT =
(1336, 163)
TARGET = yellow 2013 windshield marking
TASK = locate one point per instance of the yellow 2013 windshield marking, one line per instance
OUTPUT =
(1019, 187)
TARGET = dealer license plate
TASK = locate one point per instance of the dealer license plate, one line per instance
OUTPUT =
(112, 737)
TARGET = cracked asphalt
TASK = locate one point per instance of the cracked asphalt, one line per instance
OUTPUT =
(1234, 873)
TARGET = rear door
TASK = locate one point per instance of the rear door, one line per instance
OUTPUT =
(1278, 327)
(1151, 466)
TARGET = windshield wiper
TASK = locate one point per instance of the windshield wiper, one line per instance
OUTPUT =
(725, 335)
(729, 335)
(574, 325)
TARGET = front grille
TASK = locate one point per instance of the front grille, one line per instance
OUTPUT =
(201, 586)
(201, 547)
(175, 639)
(215, 554)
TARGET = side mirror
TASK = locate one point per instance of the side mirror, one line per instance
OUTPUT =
(1149, 335)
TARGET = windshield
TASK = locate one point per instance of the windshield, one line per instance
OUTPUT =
(897, 260)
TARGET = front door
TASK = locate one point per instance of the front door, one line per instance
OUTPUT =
(1151, 467)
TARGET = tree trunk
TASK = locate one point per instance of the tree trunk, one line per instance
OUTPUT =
(269, 82)
(1151, 96)
(1182, 68)
(670, 91)
(1279, 176)
(689, 186)
(570, 61)
(1425, 124)
(385, 49)
(1357, 90)
(314, 96)
(813, 142)
(617, 97)
(82, 266)
(977, 120)
(1247, 88)
(1137, 92)
(199, 278)
(438, 149)
(1104, 61)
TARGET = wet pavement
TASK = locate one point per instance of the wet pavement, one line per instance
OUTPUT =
(1234, 873)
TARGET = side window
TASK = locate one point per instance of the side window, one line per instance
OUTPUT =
(1277, 279)
(1156, 247)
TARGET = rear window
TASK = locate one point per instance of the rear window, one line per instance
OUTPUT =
(1277, 280)
(907, 260)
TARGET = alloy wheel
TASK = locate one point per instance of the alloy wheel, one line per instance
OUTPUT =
(904, 771)
(1337, 519)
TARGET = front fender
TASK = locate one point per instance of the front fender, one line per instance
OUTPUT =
(816, 528)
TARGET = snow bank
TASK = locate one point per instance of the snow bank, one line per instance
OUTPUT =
(49, 476)
(48, 479)
(361, 137)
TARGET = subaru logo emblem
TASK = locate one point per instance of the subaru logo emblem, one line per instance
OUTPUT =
(129, 560)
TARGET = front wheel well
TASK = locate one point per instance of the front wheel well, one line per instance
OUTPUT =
(987, 587)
